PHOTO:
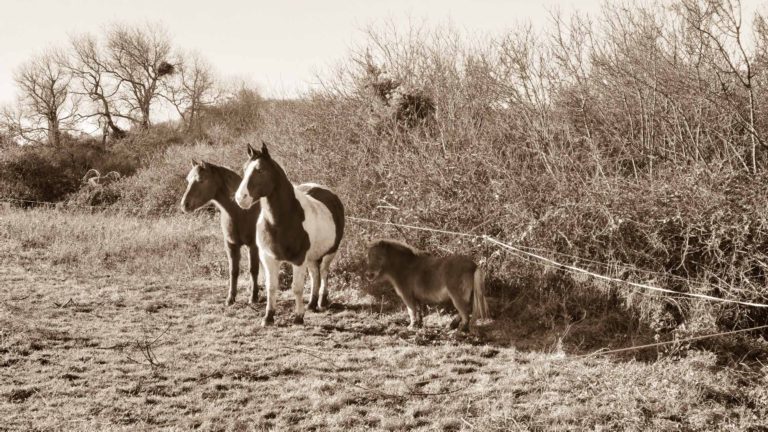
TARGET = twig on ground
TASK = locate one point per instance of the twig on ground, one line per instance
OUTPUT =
(145, 348)
(67, 303)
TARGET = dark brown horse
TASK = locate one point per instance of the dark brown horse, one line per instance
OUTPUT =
(206, 183)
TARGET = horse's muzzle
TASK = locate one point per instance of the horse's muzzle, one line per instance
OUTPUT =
(372, 275)
(244, 202)
(184, 206)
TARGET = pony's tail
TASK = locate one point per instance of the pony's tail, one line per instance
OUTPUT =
(479, 305)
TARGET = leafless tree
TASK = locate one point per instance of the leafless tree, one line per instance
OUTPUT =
(720, 23)
(5, 137)
(46, 106)
(89, 67)
(192, 89)
(137, 56)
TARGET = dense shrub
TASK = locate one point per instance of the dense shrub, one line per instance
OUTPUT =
(239, 113)
(46, 173)
(140, 147)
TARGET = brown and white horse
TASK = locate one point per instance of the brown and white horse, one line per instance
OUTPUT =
(302, 225)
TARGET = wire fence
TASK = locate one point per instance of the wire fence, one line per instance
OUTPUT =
(551, 262)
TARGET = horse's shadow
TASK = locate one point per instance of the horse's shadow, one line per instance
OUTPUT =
(575, 322)
(509, 328)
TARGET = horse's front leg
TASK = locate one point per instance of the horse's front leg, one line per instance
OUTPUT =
(253, 255)
(299, 276)
(233, 255)
(271, 270)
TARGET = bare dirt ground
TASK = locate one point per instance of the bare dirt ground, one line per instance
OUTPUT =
(84, 350)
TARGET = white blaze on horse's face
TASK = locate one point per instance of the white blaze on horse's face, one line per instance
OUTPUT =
(192, 178)
(243, 196)
(194, 175)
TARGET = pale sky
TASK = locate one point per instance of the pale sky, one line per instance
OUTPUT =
(280, 45)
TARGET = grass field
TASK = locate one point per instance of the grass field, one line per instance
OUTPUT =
(117, 323)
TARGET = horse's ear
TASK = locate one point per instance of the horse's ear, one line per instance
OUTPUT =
(194, 163)
(203, 164)
(264, 150)
(251, 151)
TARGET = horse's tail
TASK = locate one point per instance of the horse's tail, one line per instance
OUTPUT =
(479, 304)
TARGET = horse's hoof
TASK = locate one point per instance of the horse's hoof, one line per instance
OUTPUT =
(230, 301)
(464, 328)
(253, 300)
(269, 319)
(298, 319)
(454, 324)
(313, 305)
(324, 302)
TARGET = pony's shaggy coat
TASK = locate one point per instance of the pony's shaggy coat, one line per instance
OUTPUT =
(419, 279)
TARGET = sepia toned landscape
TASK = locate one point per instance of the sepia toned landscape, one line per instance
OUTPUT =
(606, 170)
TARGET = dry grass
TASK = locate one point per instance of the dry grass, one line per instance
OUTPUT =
(184, 245)
(74, 337)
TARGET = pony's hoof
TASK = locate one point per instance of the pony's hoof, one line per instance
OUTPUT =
(324, 303)
(454, 324)
(269, 319)
(464, 328)
(298, 319)
(230, 301)
(254, 300)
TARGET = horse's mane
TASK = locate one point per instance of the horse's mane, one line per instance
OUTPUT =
(231, 178)
(397, 245)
